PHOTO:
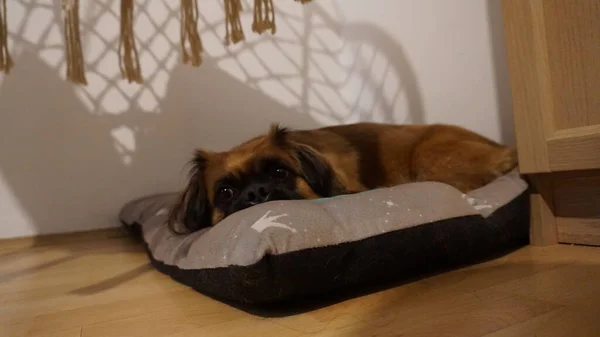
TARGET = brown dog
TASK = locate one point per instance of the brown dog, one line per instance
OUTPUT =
(308, 164)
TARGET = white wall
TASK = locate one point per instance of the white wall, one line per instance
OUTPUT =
(70, 157)
(456, 51)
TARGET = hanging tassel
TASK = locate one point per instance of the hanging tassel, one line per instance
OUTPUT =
(74, 53)
(129, 62)
(264, 16)
(6, 62)
(233, 24)
(189, 32)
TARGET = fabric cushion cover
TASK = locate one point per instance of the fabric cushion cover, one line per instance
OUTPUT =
(285, 250)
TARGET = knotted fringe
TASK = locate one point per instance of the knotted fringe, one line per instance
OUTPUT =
(264, 16)
(233, 24)
(128, 55)
(189, 32)
(6, 62)
(264, 19)
(74, 53)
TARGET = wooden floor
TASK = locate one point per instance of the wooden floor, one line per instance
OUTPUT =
(101, 285)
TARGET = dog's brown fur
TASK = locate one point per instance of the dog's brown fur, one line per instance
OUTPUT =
(360, 157)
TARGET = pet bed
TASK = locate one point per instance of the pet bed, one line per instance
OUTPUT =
(286, 250)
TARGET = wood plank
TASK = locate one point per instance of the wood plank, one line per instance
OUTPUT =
(449, 315)
(579, 231)
(21, 331)
(579, 321)
(77, 237)
(543, 230)
(577, 202)
(573, 287)
(520, 264)
(97, 295)
(531, 86)
(569, 285)
(575, 149)
(573, 40)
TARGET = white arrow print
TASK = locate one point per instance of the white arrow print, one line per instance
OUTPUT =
(267, 221)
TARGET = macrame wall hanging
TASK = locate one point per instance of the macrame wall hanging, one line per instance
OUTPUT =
(129, 64)
(5, 60)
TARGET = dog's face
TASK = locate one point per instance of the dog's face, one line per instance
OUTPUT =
(266, 168)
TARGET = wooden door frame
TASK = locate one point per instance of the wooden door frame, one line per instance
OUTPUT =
(536, 75)
(550, 46)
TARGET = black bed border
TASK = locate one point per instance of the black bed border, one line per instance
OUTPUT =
(323, 275)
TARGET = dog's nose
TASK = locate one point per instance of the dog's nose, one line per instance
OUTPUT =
(257, 194)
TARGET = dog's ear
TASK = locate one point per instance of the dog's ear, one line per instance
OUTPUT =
(317, 172)
(314, 168)
(193, 209)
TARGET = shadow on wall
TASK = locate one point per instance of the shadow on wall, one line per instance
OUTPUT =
(317, 65)
(71, 156)
(501, 75)
(68, 169)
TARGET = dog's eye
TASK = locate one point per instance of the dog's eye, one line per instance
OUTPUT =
(225, 193)
(281, 173)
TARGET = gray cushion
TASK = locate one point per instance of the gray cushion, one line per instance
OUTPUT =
(381, 235)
